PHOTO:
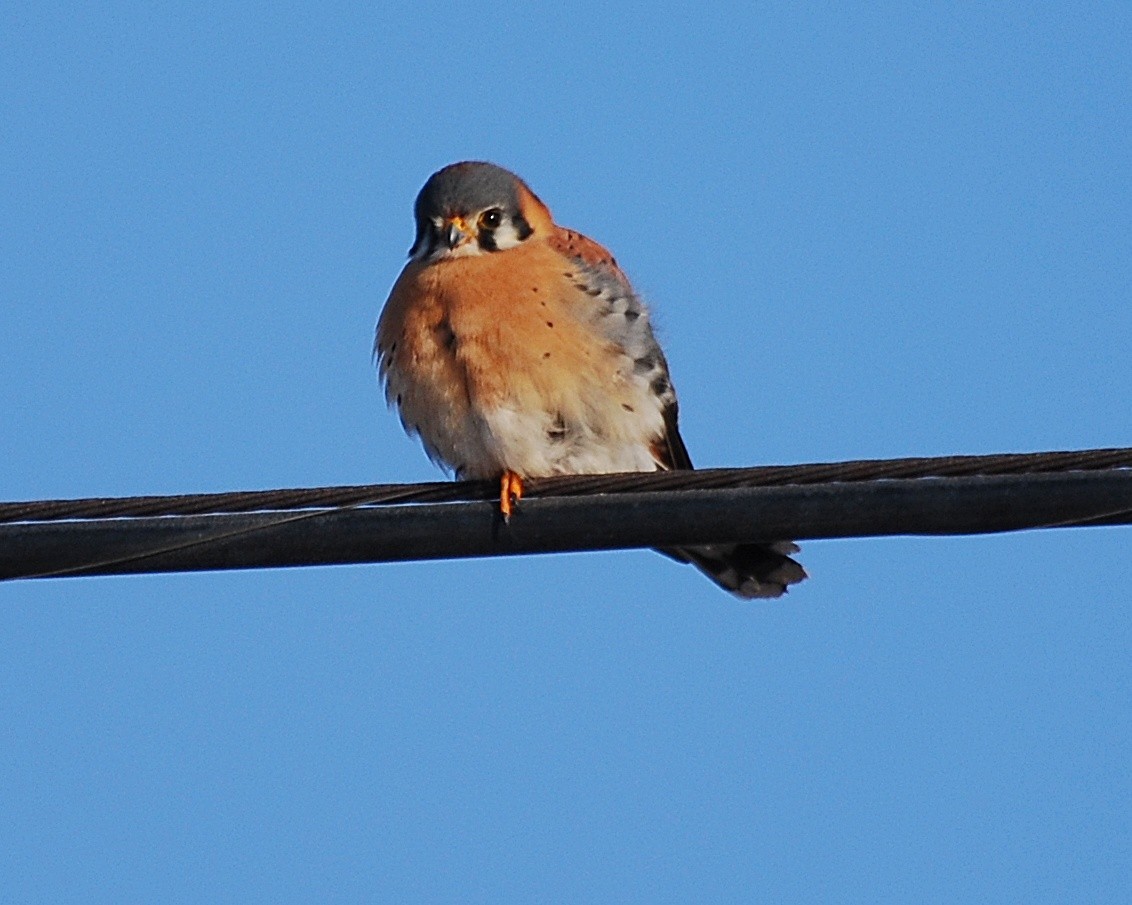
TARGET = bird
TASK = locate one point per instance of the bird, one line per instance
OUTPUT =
(516, 348)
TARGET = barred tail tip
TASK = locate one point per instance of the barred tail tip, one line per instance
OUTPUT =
(748, 571)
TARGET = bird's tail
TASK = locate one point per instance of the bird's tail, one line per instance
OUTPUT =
(746, 570)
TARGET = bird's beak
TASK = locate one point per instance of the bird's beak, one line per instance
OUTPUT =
(456, 232)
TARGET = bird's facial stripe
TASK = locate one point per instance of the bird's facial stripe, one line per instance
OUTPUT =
(514, 230)
(523, 229)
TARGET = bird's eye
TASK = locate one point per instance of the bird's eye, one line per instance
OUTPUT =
(491, 219)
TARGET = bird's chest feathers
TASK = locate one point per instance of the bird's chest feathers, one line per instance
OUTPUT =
(514, 325)
(513, 353)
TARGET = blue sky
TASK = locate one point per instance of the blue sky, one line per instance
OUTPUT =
(866, 231)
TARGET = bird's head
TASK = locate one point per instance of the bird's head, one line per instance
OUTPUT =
(475, 208)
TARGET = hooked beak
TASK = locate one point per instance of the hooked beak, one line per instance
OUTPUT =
(456, 232)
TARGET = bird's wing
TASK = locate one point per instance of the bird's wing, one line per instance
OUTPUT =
(572, 244)
(623, 318)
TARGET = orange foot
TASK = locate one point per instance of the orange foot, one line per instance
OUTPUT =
(510, 492)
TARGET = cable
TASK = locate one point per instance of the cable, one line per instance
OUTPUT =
(567, 485)
(955, 495)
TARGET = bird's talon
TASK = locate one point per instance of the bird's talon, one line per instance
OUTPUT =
(510, 492)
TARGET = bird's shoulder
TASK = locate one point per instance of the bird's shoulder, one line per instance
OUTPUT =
(580, 248)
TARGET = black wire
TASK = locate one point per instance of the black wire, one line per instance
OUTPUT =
(360, 532)
(568, 485)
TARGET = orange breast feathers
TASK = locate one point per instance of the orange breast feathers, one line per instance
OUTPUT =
(470, 335)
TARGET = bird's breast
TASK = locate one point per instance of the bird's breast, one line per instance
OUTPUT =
(498, 364)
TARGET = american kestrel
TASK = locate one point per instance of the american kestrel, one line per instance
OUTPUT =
(515, 348)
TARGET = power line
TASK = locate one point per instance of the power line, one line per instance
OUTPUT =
(568, 485)
(382, 523)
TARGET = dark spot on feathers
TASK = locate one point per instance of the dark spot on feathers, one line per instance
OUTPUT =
(660, 386)
(644, 364)
(398, 398)
(392, 347)
(534, 289)
(446, 335)
(546, 355)
(627, 407)
(550, 324)
(557, 432)
(594, 292)
(631, 314)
